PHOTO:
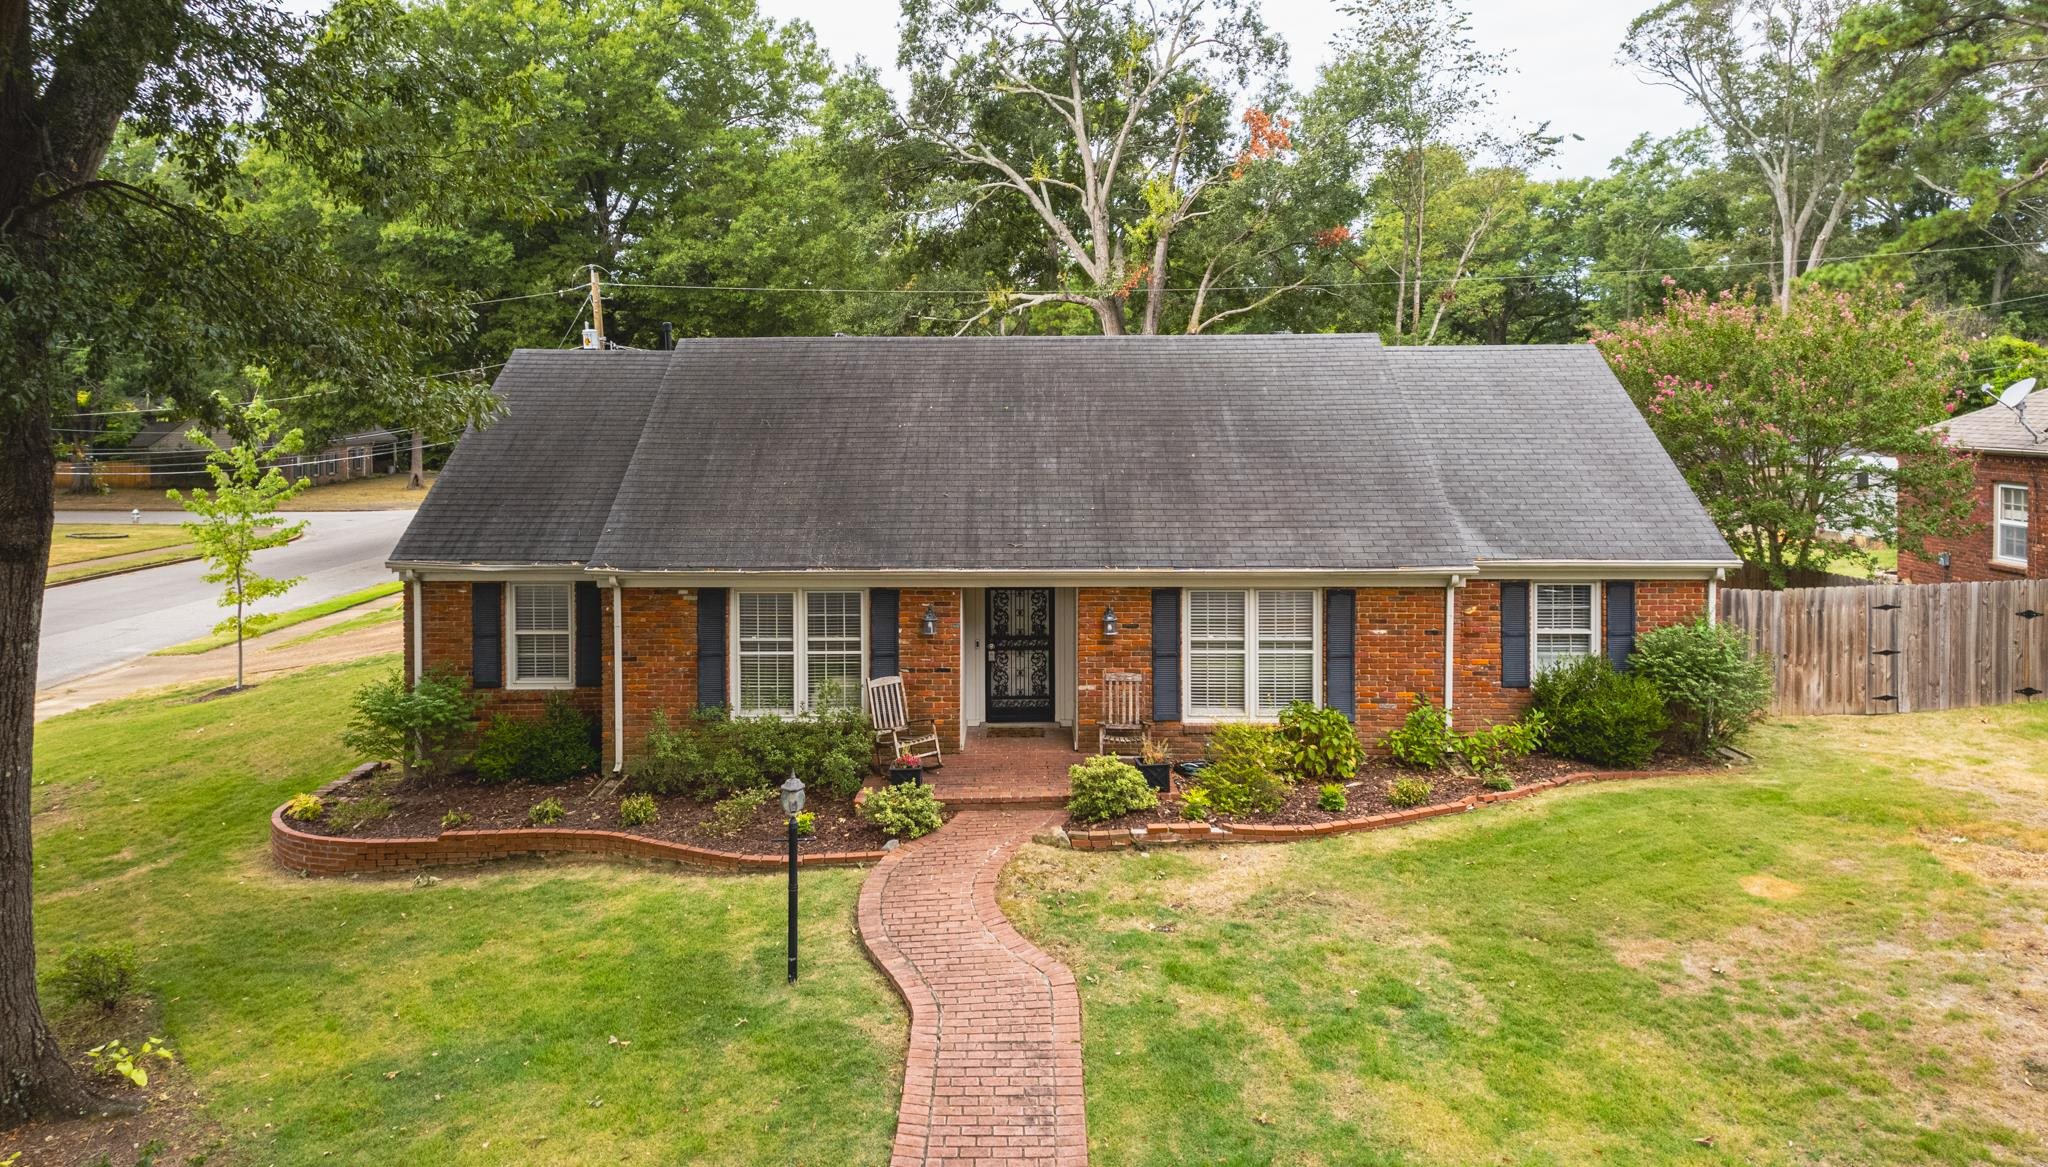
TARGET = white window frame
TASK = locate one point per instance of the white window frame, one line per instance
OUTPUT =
(1190, 712)
(1597, 589)
(512, 635)
(800, 627)
(1999, 522)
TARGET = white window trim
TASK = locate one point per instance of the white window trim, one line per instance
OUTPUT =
(800, 690)
(1599, 592)
(510, 616)
(1191, 714)
(1999, 523)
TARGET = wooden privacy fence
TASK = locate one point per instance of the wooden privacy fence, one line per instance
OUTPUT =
(1898, 648)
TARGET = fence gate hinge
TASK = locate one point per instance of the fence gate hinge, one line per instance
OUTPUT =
(2029, 692)
(1886, 607)
(2028, 614)
(1885, 651)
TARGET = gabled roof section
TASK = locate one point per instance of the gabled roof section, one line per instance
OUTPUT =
(1546, 459)
(1029, 453)
(1995, 429)
(534, 487)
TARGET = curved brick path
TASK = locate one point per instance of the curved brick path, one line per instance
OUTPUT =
(994, 1073)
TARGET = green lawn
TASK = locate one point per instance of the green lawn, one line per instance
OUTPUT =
(382, 614)
(83, 550)
(1825, 959)
(465, 1020)
(288, 619)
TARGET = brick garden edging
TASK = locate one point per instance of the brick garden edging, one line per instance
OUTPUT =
(311, 854)
(1169, 834)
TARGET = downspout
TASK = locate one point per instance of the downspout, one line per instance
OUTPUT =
(1451, 644)
(1714, 596)
(618, 675)
(418, 622)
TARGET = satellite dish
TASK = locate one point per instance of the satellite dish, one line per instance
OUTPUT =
(2016, 393)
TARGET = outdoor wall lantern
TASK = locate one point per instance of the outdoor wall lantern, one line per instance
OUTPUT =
(931, 620)
(1109, 621)
(1942, 559)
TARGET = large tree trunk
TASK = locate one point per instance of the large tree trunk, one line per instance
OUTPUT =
(35, 1080)
(417, 479)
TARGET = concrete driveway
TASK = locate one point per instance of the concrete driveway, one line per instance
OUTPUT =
(99, 623)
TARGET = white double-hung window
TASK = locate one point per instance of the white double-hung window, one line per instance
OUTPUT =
(1565, 622)
(1249, 652)
(2010, 534)
(798, 651)
(542, 635)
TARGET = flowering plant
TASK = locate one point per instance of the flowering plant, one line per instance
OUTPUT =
(909, 760)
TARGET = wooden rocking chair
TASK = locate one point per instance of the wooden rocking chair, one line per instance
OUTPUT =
(1123, 721)
(894, 731)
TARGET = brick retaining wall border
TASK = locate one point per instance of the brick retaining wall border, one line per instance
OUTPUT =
(310, 854)
(1171, 834)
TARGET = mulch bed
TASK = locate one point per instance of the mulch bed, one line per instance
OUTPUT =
(172, 1119)
(590, 803)
(1367, 793)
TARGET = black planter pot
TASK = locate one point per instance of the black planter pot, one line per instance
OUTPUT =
(906, 775)
(1158, 775)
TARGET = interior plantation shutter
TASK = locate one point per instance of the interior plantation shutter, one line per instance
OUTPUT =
(1514, 634)
(883, 604)
(589, 636)
(711, 647)
(487, 635)
(1621, 622)
(1166, 654)
(1340, 651)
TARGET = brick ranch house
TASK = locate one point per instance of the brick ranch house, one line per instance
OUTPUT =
(1245, 521)
(2011, 477)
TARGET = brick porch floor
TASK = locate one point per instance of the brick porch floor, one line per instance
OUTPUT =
(998, 769)
(994, 1071)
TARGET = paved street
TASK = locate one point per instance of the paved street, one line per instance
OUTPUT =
(99, 623)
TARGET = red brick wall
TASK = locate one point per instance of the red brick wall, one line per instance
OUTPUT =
(1970, 553)
(660, 661)
(445, 639)
(1400, 655)
(1129, 651)
(1478, 699)
(1664, 602)
(930, 664)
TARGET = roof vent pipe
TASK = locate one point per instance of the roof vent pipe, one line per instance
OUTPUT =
(668, 336)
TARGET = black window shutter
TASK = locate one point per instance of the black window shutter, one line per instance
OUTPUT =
(711, 648)
(1621, 622)
(487, 635)
(882, 607)
(1166, 654)
(1340, 646)
(589, 636)
(1514, 634)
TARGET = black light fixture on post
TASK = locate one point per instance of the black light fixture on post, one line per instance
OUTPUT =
(792, 805)
(1109, 621)
(931, 620)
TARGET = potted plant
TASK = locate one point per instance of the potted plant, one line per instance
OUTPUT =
(907, 770)
(1155, 764)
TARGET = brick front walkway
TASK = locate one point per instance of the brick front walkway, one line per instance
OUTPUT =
(994, 1073)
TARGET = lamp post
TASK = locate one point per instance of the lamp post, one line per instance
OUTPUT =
(792, 805)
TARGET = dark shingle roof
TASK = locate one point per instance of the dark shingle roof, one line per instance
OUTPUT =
(1995, 429)
(1060, 453)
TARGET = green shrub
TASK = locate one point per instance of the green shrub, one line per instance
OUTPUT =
(731, 814)
(103, 975)
(1423, 738)
(1321, 744)
(1195, 805)
(1497, 781)
(1490, 751)
(712, 754)
(112, 1058)
(1105, 787)
(806, 824)
(1708, 678)
(637, 810)
(554, 748)
(1243, 775)
(304, 808)
(454, 820)
(1597, 715)
(1330, 797)
(425, 728)
(349, 813)
(1407, 792)
(903, 812)
(545, 813)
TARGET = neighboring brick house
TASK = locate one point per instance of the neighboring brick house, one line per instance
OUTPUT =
(766, 524)
(2008, 538)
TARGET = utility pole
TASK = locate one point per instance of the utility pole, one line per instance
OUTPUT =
(596, 306)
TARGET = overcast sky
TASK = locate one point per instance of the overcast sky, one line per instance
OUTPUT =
(1562, 53)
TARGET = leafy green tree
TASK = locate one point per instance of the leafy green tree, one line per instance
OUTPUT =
(238, 517)
(1775, 418)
